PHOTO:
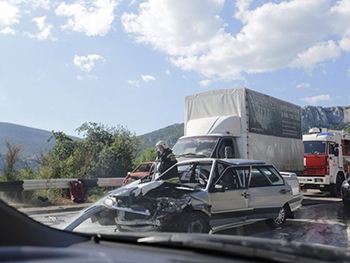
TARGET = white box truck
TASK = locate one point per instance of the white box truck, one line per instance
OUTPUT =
(242, 123)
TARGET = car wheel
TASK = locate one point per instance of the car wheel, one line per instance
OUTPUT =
(280, 219)
(194, 222)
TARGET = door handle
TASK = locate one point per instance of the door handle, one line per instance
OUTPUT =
(284, 191)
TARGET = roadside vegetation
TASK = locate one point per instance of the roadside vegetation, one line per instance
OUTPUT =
(103, 152)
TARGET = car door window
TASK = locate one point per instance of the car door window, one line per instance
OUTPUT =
(258, 179)
(229, 179)
(265, 176)
(272, 175)
(243, 175)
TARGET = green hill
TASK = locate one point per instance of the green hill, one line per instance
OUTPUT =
(170, 134)
(32, 141)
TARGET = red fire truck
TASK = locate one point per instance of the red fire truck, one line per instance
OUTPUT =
(326, 160)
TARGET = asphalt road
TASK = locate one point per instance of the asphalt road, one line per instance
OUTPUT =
(321, 219)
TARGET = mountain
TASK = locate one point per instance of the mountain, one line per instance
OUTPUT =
(34, 142)
(170, 134)
(336, 118)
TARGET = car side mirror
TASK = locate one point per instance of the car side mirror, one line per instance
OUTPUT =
(218, 188)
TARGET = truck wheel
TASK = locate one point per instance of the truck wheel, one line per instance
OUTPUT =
(335, 188)
(279, 220)
(194, 222)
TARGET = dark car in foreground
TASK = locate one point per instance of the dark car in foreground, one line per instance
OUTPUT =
(210, 195)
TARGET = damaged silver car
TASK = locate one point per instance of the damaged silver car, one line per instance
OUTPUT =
(210, 195)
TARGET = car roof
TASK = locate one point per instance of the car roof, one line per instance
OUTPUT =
(232, 161)
(242, 161)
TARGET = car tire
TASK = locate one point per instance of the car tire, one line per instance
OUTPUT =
(194, 222)
(279, 220)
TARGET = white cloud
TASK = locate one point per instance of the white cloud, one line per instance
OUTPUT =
(344, 44)
(273, 36)
(316, 54)
(134, 83)
(205, 83)
(87, 63)
(36, 4)
(9, 14)
(147, 78)
(167, 72)
(8, 31)
(314, 100)
(44, 29)
(92, 18)
(303, 85)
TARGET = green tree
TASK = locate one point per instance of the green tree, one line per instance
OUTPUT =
(103, 152)
(148, 156)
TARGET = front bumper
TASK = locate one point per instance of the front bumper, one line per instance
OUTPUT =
(317, 181)
(159, 222)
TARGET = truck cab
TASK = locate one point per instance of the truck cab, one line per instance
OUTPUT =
(326, 160)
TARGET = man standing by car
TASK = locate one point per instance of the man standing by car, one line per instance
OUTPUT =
(166, 159)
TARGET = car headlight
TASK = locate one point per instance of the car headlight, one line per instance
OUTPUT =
(168, 204)
(109, 201)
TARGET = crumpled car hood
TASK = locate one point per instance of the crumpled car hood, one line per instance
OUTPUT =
(136, 190)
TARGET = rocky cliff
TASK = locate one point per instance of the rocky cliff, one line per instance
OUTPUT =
(332, 117)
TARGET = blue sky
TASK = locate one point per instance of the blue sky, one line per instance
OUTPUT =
(131, 63)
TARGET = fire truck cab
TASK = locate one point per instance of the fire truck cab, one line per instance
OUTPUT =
(326, 160)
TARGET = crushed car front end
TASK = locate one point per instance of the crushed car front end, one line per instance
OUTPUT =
(154, 206)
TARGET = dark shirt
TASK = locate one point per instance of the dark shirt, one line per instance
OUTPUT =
(167, 159)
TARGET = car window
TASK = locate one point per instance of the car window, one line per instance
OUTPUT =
(265, 176)
(229, 179)
(272, 175)
(243, 175)
(195, 174)
(258, 179)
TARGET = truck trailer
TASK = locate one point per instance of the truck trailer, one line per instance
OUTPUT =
(242, 123)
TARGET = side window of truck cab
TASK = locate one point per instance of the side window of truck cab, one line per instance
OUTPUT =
(222, 150)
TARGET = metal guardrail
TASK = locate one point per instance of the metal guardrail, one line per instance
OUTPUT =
(27, 185)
